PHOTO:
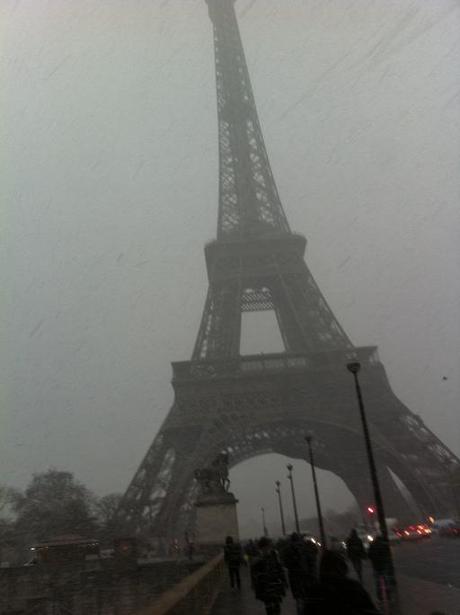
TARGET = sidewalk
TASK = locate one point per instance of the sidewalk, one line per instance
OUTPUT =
(417, 597)
(243, 602)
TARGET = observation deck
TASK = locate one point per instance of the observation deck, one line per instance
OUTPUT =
(271, 364)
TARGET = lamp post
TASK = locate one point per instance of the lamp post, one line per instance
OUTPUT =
(264, 525)
(322, 533)
(294, 501)
(280, 502)
(354, 367)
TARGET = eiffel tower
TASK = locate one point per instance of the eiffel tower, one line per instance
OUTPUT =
(250, 405)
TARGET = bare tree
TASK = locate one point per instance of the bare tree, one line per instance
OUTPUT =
(8, 496)
(107, 506)
(54, 503)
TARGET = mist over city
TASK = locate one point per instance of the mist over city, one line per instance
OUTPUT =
(337, 122)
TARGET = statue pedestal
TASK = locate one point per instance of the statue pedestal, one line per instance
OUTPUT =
(216, 518)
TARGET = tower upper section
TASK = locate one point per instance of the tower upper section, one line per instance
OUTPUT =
(249, 204)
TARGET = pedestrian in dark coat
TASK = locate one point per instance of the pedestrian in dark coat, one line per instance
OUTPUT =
(356, 553)
(233, 556)
(380, 555)
(299, 557)
(335, 593)
(268, 578)
(251, 550)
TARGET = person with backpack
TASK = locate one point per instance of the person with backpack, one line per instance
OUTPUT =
(233, 556)
(268, 578)
(380, 555)
(335, 593)
(356, 553)
(251, 551)
(299, 557)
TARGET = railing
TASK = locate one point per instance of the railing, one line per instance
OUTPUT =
(194, 595)
(272, 363)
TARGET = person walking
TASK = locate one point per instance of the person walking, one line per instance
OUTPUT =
(380, 557)
(268, 578)
(335, 593)
(233, 556)
(250, 551)
(356, 553)
(299, 557)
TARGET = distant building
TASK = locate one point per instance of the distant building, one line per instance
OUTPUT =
(65, 548)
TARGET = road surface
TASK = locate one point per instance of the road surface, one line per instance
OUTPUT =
(435, 559)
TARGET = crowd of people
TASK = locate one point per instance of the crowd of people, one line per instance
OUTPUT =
(318, 580)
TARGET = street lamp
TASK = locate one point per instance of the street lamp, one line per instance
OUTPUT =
(280, 502)
(294, 501)
(264, 525)
(322, 533)
(354, 367)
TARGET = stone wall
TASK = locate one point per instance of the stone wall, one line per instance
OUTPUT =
(101, 587)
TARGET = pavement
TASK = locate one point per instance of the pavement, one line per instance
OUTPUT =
(243, 602)
(417, 597)
(428, 581)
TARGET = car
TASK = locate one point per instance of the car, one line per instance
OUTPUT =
(439, 526)
(413, 532)
(394, 537)
(452, 530)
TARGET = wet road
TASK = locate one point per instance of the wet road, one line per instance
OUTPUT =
(436, 559)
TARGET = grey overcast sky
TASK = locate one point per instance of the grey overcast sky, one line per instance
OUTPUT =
(109, 192)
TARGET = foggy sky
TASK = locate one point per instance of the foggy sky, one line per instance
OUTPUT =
(109, 165)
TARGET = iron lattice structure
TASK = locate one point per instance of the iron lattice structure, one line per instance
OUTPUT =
(247, 406)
